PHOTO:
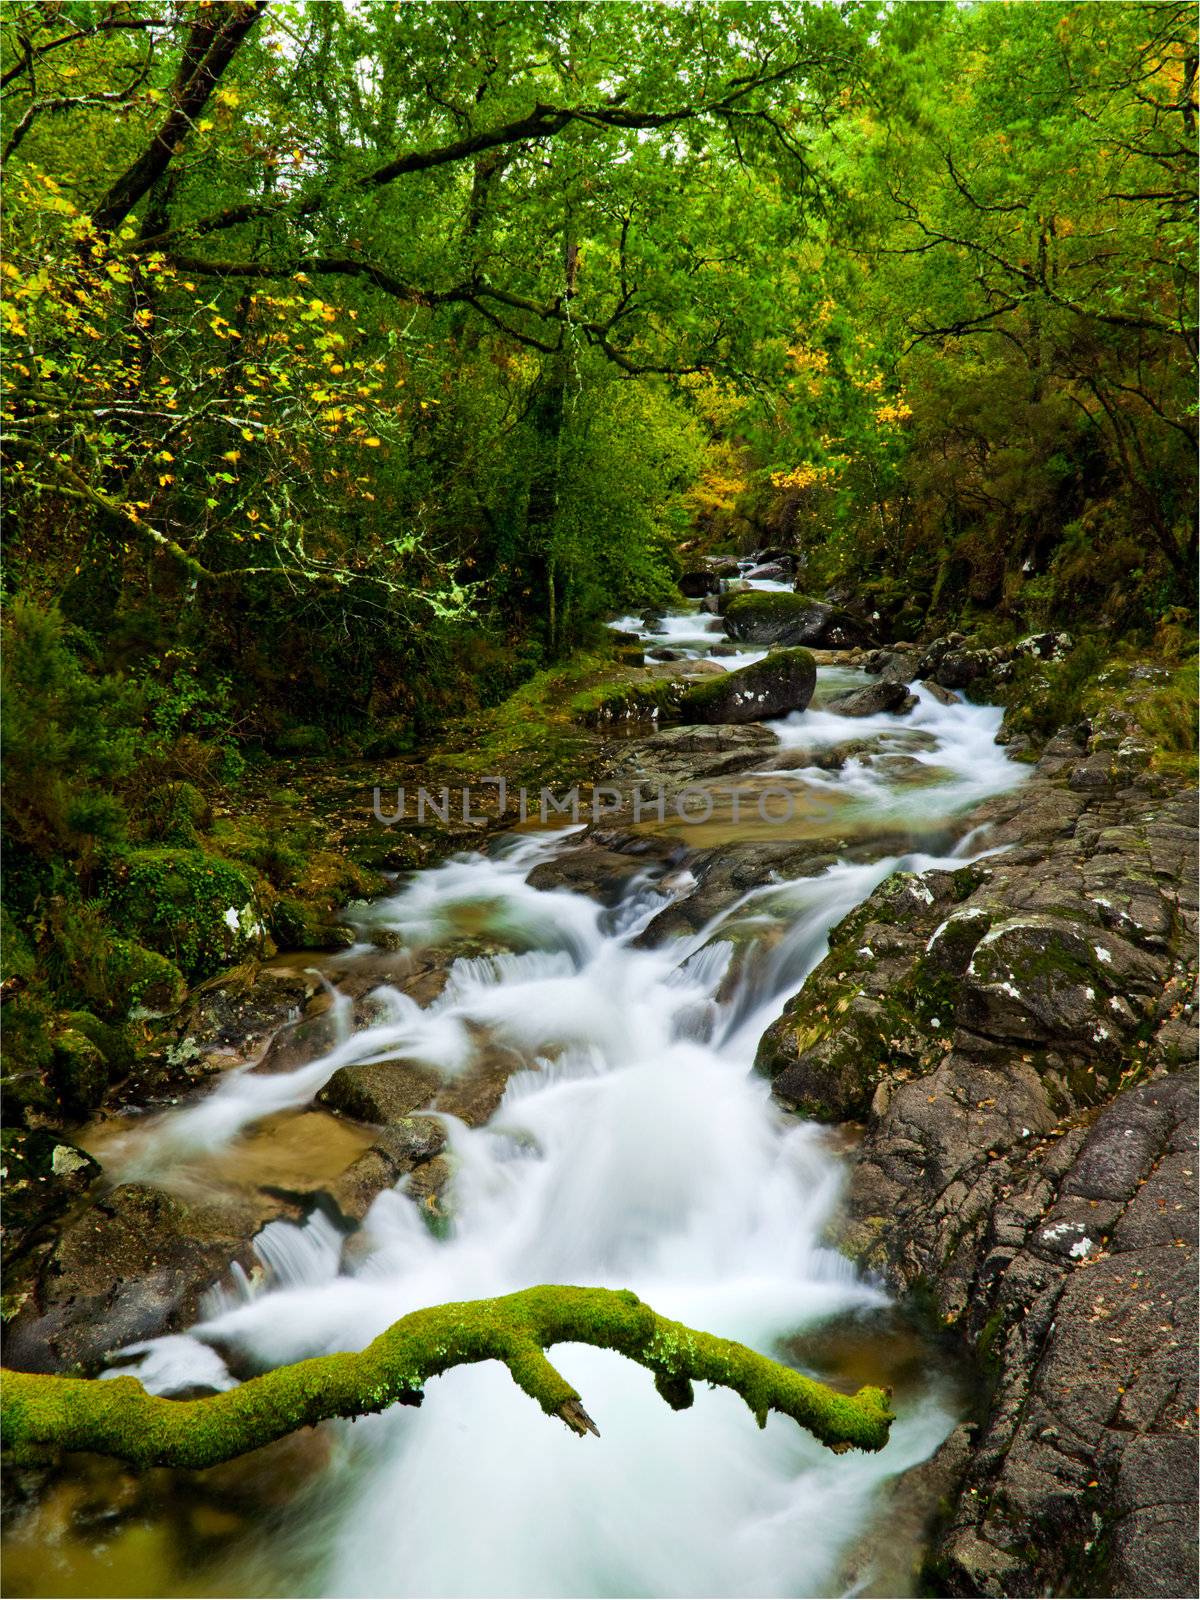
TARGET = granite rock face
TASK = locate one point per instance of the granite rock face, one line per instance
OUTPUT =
(1019, 1038)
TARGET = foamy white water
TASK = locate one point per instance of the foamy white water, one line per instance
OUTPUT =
(636, 1149)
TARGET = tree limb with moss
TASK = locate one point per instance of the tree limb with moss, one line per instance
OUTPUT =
(117, 1417)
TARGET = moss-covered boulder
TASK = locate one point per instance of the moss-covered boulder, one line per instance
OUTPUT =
(78, 1072)
(140, 980)
(784, 681)
(305, 739)
(1037, 978)
(199, 910)
(774, 616)
(112, 1040)
(882, 1003)
(627, 700)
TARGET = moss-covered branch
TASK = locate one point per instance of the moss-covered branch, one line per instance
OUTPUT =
(118, 1417)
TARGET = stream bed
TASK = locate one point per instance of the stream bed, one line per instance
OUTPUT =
(633, 1147)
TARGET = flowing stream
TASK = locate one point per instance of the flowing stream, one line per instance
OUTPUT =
(633, 1148)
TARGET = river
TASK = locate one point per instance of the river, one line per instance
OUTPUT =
(634, 1148)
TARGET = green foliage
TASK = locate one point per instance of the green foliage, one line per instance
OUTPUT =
(173, 813)
(991, 398)
(68, 735)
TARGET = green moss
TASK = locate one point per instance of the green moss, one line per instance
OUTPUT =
(279, 856)
(142, 979)
(112, 1041)
(304, 739)
(78, 1072)
(535, 735)
(17, 959)
(621, 701)
(775, 604)
(117, 1417)
(198, 909)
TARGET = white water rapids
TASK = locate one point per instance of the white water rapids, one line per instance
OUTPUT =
(636, 1149)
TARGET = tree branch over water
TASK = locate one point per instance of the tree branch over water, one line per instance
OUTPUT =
(118, 1417)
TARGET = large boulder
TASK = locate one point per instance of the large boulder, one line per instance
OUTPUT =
(697, 584)
(772, 616)
(199, 910)
(1037, 978)
(380, 1091)
(130, 1267)
(885, 695)
(893, 666)
(1014, 1037)
(784, 681)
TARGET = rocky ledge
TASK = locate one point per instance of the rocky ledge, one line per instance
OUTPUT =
(1019, 1038)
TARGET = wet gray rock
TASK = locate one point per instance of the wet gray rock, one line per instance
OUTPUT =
(603, 862)
(44, 1174)
(380, 1091)
(884, 695)
(954, 664)
(299, 1042)
(892, 666)
(130, 1267)
(695, 584)
(400, 1148)
(944, 697)
(231, 1017)
(1083, 1477)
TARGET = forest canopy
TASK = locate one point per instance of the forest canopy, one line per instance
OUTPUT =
(393, 320)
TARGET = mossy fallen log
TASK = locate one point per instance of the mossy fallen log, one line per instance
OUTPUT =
(117, 1417)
